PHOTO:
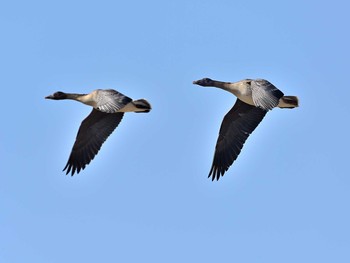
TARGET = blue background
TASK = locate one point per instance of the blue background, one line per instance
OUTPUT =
(146, 196)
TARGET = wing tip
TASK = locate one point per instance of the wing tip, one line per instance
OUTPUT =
(72, 168)
(216, 172)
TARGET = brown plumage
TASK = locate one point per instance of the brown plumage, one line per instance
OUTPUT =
(254, 99)
(108, 110)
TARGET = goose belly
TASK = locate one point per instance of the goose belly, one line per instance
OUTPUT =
(130, 107)
(245, 97)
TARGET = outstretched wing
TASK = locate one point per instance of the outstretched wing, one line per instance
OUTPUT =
(111, 101)
(93, 132)
(235, 128)
(265, 95)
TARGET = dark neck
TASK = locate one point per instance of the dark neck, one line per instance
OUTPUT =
(222, 85)
(72, 96)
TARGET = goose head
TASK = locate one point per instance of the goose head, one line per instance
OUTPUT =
(206, 82)
(59, 95)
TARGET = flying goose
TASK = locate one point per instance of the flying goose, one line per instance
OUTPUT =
(254, 99)
(108, 110)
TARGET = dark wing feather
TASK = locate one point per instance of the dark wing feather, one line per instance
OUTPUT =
(264, 94)
(237, 125)
(93, 132)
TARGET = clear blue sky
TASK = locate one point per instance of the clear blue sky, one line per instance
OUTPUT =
(146, 196)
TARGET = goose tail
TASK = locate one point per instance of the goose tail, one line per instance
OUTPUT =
(142, 105)
(288, 102)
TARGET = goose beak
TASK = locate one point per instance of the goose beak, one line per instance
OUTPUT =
(49, 97)
(196, 82)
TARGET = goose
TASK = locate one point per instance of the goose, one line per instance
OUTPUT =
(255, 97)
(108, 110)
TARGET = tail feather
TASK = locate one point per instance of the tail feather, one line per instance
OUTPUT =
(289, 102)
(142, 105)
